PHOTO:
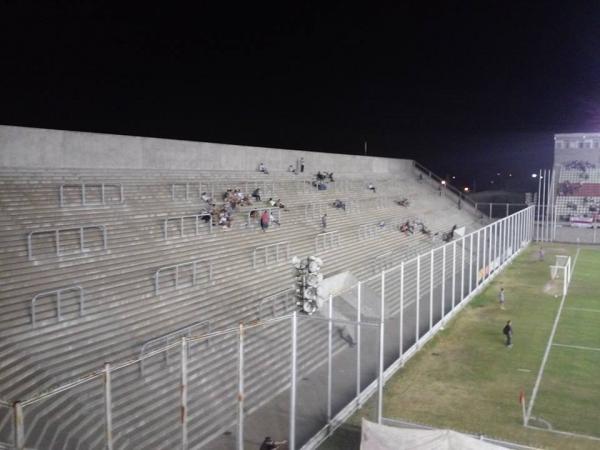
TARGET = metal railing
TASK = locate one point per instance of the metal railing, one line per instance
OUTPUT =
(180, 219)
(438, 284)
(499, 210)
(58, 293)
(327, 241)
(164, 342)
(176, 267)
(371, 231)
(174, 190)
(83, 186)
(460, 197)
(57, 232)
(278, 249)
(314, 211)
(285, 299)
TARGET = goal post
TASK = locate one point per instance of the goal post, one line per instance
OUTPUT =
(561, 270)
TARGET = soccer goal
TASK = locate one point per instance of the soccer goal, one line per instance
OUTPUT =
(560, 271)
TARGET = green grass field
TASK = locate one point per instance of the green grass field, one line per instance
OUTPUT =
(466, 379)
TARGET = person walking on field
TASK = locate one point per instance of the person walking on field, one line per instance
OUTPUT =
(501, 298)
(507, 331)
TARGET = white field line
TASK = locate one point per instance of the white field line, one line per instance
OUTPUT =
(564, 433)
(582, 309)
(538, 380)
(579, 347)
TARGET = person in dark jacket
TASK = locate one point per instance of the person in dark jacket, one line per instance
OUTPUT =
(270, 444)
(507, 331)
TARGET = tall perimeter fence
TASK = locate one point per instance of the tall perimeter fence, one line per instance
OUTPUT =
(302, 375)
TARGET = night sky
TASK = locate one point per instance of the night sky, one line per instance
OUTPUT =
(469, 88)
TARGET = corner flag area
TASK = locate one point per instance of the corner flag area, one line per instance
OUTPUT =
(468, 380)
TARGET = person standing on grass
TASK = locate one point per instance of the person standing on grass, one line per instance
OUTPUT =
(541, 253)
(507, 331)
(501, 298)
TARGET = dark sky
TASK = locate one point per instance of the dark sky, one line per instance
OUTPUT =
(468, 88)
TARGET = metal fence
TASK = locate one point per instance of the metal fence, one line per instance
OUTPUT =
(317, 369)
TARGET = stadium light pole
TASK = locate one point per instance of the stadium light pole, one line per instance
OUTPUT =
(184, 394)
(107, 408)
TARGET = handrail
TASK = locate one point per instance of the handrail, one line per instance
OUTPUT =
(83, 192)
(166, 338)
(57, 231)
(194, 264)
(58, 293)
(447, 185)
(181, 219)
(278, 297)
(329, 240)
(266, 249)
(187, 190)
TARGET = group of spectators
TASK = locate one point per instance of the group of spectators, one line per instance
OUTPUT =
(410, 226)
(579, 165)
(232, 198)
(568, 188)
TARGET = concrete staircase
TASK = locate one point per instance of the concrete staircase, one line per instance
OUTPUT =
(121, 308)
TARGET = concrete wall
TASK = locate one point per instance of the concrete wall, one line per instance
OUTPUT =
(41, 148)
(577, 147)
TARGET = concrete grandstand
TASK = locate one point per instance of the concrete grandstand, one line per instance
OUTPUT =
(106, 260)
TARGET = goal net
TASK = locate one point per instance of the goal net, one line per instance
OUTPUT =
(560, 271)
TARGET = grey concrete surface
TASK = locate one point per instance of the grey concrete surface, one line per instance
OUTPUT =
(22, 147)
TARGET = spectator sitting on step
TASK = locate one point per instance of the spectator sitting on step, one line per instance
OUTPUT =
(278, 204)
(227, 194)
(256, 194)
(404, 202)
(372, 188)
(320, 176)
(273, 220)
(322, 186)
(271, 202)
(262, 168)
(330, 175)
(447, 237)
(205, 197)
(339, 204)
(382, 224)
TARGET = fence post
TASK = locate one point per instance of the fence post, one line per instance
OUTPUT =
(381, 351)
(329, 361)
(240, 433)
(19, 426)
(401, 325)
(453, 273)
(108, 406)
(471, 264)
(292, 436)
(431, 261)
(443, 283)
(506, 210)
(418, 301)
(491, 210)
(184, 393)
(358, 339)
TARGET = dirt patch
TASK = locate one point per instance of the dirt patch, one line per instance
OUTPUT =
(553, 288)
